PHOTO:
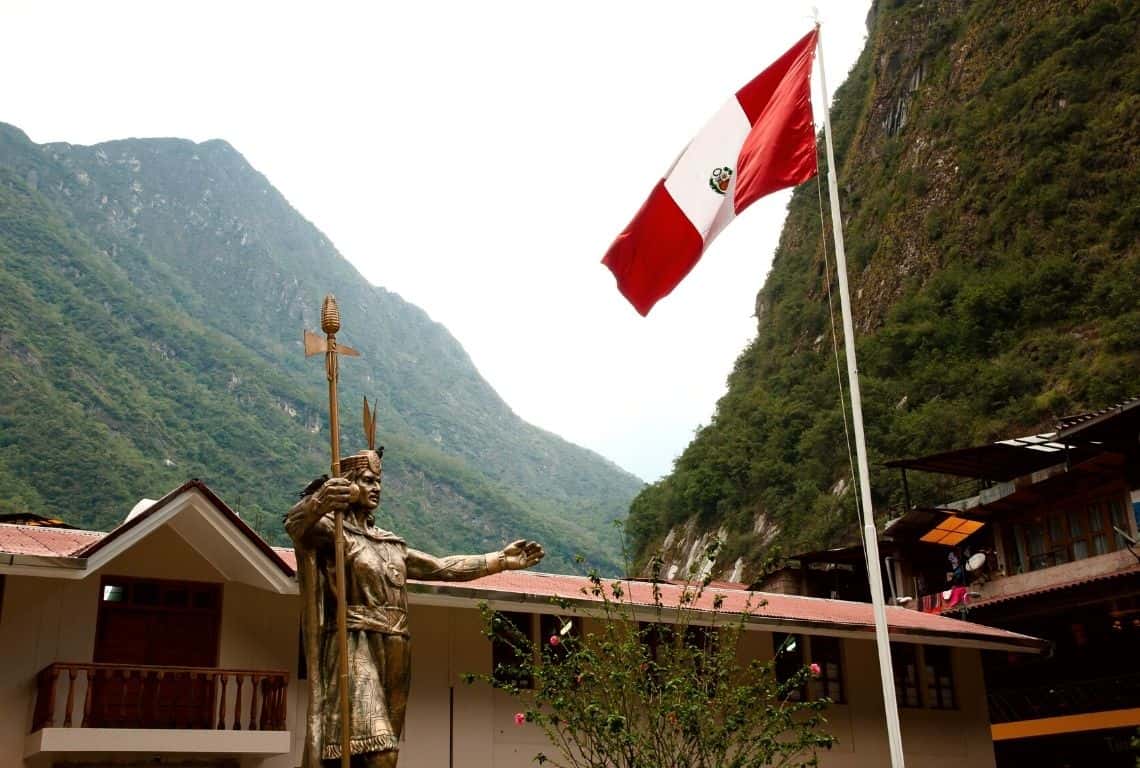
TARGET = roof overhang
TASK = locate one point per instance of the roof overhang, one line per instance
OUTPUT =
(200, 519)
(1118, 425)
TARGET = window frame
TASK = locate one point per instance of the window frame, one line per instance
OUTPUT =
(500, 647)
(783, 672)
(806, 654)
(937, 695)
(1052, 528)
(904, 656)
(821, 687)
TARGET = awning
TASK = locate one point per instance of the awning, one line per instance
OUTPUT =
(1002, 461)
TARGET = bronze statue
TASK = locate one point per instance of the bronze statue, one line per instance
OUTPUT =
(366, 651)
(377, 565)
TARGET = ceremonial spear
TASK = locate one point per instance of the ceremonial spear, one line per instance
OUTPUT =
(314, 344)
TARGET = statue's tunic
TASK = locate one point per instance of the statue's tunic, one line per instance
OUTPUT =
(377, 566)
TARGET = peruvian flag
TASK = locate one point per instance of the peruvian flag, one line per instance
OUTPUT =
(761, 141)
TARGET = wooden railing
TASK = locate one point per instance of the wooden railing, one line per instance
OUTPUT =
(75, 694)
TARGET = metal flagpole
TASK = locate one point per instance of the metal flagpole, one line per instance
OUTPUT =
(870, 534)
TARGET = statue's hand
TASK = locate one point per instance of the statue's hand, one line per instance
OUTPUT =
(333, 496)
(521, 554)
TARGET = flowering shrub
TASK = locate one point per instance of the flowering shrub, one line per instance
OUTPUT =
(656, 686)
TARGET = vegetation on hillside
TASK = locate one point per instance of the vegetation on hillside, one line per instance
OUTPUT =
(154, 296)
(990, 175)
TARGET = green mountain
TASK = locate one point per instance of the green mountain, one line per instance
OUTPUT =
(153, 298)
(989, 166)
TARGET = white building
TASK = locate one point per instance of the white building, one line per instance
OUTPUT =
(174, 640)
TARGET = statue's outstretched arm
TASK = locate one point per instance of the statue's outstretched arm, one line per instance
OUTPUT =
(519, 554)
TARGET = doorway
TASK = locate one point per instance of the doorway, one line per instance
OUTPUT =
(168, 631)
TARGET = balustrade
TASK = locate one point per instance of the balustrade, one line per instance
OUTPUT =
(1064, 697)
(71, 694)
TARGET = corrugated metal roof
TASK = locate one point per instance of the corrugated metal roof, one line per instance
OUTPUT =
(1001, 461)
(1068, 422)
(42, 540)
(823, 613)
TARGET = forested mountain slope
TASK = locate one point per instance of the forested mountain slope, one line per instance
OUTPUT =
(153, 297)
(989, 165)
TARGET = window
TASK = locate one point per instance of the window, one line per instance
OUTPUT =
(939, 677)
(1116, 509)
(556, 626)
(789, 650)
(1079, 529)
(794, 652)
(827, 653)
(1097, 531)
(1078, 536)
(904, 659)
(114, 593)
(1016, 550)
(509, 646)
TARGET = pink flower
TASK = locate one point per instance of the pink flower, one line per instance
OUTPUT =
(555, 640)
(520, 718)
(815, 670)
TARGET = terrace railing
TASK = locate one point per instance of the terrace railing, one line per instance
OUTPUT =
(87, 695)
(1064, 698)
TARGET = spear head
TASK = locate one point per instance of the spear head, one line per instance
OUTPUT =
(330, 315)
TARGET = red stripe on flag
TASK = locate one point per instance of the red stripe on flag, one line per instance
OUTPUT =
(780, 149)
(655, 252)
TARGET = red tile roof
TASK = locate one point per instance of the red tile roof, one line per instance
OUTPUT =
(288, 555)
(41, 540)
(805, 612)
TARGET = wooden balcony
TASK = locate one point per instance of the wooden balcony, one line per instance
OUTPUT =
(77, 695)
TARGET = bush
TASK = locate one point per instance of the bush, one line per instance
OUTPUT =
(667, 692)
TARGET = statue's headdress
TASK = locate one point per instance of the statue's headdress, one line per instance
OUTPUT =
(370, 458)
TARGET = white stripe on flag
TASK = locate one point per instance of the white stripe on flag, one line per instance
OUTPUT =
(716, 146)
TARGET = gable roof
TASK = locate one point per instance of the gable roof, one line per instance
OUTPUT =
(192, 510)
(155, 510)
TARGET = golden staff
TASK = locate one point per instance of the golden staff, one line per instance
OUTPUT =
(314, 344)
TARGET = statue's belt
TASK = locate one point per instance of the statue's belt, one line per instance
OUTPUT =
(387, 619)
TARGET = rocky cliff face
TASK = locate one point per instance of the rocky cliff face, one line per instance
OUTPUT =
(154, 297)
(989, 178)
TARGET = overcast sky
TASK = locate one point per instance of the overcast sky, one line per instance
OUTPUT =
(475, 158)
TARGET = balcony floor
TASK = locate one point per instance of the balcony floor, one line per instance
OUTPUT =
(156, 741)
